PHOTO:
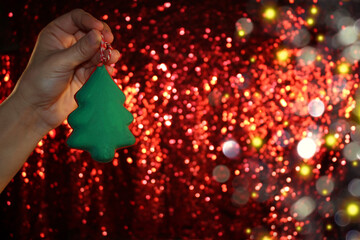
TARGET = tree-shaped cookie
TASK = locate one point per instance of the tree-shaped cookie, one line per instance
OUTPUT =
(100, 123)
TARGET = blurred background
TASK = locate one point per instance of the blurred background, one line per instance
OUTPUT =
(246, 121)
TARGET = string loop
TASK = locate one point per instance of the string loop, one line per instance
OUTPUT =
(105, 50)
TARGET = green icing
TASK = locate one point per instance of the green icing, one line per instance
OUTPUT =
(100, 123)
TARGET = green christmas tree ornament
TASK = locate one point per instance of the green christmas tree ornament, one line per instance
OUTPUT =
(101, 122)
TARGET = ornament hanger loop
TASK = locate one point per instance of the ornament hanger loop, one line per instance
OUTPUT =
(105, 50)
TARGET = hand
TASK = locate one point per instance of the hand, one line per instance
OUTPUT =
(66, 53)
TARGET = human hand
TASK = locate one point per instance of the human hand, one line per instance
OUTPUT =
(65, 54)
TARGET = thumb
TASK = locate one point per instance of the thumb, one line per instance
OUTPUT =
(83, 50)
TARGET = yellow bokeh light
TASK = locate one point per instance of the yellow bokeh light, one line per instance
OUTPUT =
(352, 209)
(248, 231)
(310, 21)
(343, 68)
(256, 142)
(207, 87)
(241, 33)
(283, 102)
(282, 55)
(320, 38)
(212, 81)
(266, 238)
(355, 163)
(305, 170)
(298, 228)
(129, 160)
(269, 13)
(330, 140)
(314, 10)
(329, 227)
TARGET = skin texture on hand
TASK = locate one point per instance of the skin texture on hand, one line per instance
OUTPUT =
(65, 54)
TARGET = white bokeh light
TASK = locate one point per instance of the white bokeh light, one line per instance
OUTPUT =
(231, 149)
(357, 24)
(354, 187)
(306, 55)
(221, 173)
(347, 35)
(324, 185)
(240, 196)
(245, 25)
(302, 38)
(353, 235)
(316, 108)
(341, 17)
(352, 52)
(352, 151)
(345, 21)
(306, 148)
(341, 218)
(302, 208)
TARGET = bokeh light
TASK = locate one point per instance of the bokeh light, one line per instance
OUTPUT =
(329, 227)
(341, 218)
(306, 55)
(347, 36)
(324, 185)
(314, 10)
(354, 187)
(270, 13)
(244, 26)
(352, 151)
(282, 55)
(353, 209)
(257, 142)
(240, 197)
(353, 235)
(310, 21)
(305, 170)
(306, 148)
(221, 173)
(320, 38)
(231, 149)
(316, 108)
(330, 140)
(352, 53)
(303, 207)
(343, 68)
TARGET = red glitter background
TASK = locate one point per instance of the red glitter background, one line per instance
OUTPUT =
(196, 77)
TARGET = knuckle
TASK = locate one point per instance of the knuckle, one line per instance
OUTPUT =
(82, 49)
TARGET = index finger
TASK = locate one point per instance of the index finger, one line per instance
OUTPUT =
(77, 20)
